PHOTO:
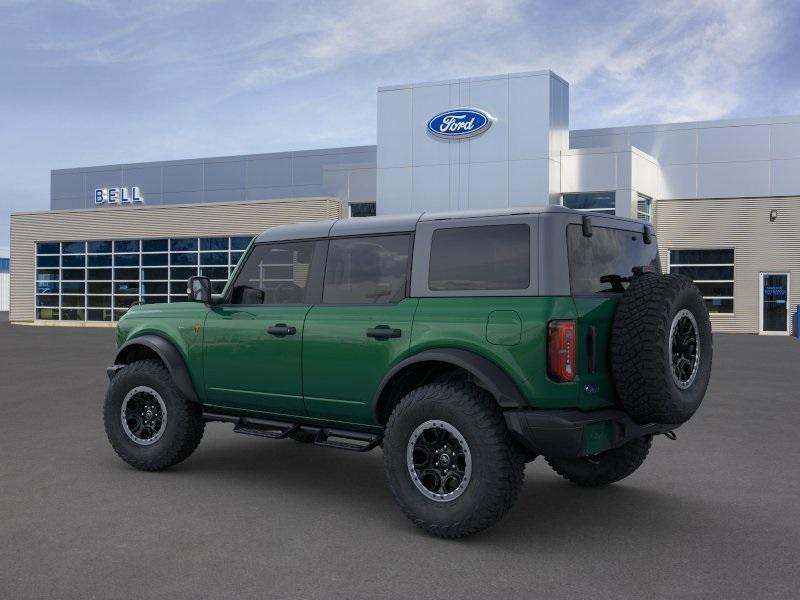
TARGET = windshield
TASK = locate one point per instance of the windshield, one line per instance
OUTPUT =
(607, 252)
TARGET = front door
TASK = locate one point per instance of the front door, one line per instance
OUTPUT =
(774, 304)
(253, 339)
(361, 329)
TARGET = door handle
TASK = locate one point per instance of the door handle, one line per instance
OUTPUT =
(281, 329)
(383, 332)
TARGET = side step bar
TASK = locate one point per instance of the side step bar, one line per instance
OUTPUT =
(343, 439)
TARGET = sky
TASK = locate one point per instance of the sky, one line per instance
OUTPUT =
(93, 82)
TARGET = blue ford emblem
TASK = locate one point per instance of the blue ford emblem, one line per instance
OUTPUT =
(460, 123)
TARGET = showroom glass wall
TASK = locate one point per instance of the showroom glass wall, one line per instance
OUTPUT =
(101, 280)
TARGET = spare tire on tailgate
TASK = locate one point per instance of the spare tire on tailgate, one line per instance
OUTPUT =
(661, 348)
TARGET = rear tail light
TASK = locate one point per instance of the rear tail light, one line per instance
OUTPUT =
(561, 350)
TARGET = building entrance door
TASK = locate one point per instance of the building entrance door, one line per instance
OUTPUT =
(774, 304)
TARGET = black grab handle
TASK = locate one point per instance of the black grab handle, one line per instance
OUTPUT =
(281, 330)
(383, 333)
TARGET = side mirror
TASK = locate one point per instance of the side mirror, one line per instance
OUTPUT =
(244, 294)
(199, 289)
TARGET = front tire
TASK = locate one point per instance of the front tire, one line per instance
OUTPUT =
(150, 425)
(604, 468)
(449, 459)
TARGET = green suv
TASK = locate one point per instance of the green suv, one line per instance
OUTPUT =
(464, 344)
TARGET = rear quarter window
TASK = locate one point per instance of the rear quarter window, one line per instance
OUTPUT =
(487, 257)
(606, 252)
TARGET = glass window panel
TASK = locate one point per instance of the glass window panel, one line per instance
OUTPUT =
(47, 274)
(236, 257)
(51, 300)
(97, 247)
(288, 286)
(155, 259)
(182, 298)
(213, 258)
(217, 286)
(155, 274)
(701, 257)
(47, 314)
(184, 258)
(504, 262)
(125, 301)
(126, 287)
(182, 273)
(240, 243)
(590, 201)
(77, 260)
(607, 252)
(126, 246)
(73, 274)
(177, 287)
(98, 315)
(704, 272)
(126, 274)
(118, 314)
(214, 272)
(47, 261)
(73, 287)
(47, 287)
(73, 247)
(362, 209)
(98, 301)
(216, 243)
(126, 260)
(99, 260)
(716, 288)
(73, 314)
(68, 300)
(47, 247)
(719, 305)
(183, 245)
(155, 245)
(103, 287)
(98, 274)
(151, 287)
(368, 270)
(155, 299)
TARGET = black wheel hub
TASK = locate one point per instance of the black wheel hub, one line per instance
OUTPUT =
(684, 349)
(143, 415)
(439, 461)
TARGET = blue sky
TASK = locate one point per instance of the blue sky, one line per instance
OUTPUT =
(94, 82)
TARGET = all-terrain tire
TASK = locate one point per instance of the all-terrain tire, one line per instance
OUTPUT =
(182, 430)
(651, 312)
(604, 468)
(498, 465)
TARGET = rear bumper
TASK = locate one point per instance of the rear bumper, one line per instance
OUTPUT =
(573, 433)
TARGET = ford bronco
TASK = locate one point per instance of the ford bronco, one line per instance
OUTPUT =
(463, 344)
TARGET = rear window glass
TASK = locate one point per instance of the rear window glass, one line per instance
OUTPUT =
(607, 252)
(489, 257)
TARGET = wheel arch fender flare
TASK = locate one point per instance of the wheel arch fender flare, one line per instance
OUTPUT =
(494, 379)
(169, 355)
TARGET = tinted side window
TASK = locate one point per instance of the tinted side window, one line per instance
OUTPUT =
(488, 257)
(607, 252)
(366, 270)
(280, 270)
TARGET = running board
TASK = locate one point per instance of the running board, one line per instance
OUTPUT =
(343, 439)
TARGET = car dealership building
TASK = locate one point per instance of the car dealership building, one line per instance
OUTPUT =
(724, 197)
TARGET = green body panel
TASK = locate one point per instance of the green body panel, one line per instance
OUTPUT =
(246, 367)
(180, 323)
(597, 389)
(342, 367)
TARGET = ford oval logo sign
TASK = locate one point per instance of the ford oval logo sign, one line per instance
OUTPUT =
(460, 123)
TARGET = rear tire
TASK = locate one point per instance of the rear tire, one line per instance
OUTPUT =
(150, 425)
(604, 468)
(449, 459)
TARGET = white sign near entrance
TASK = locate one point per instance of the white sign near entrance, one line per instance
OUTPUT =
(117, 196)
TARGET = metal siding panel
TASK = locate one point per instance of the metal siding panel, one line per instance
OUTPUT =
(744, 225)
(248, 218)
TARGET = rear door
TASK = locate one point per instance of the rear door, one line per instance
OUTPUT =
(252, 356)
(362, 327)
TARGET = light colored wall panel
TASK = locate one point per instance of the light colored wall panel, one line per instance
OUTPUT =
(678, 181)
(492, 96)
(426, 102)
(733, 179)
(488, 185)
(744, 225)
(247, 218)
(529, 137)
(588, 172)
(527, 178)
(644, 174)
(785, 177)
(431, 188)
(785, 140)
(394, 190)
(394, 130)
(667, 147)
(728, 144)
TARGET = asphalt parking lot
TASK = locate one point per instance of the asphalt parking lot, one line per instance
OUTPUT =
(713, 515)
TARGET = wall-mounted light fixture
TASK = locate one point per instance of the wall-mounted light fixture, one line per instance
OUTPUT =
(773, 215)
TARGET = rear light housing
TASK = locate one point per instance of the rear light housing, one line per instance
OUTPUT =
(561, 350)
